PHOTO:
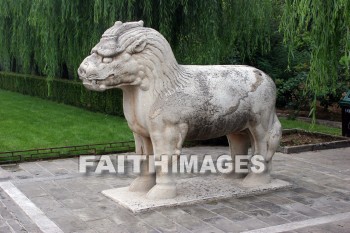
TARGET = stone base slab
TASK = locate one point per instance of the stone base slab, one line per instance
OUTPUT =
(192, 191)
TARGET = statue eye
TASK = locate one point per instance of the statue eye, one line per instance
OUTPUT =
(107, 60)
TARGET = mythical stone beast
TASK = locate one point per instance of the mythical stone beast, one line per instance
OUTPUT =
(165, 103)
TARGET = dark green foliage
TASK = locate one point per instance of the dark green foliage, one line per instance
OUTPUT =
(67, 92)
(290, 92)
(325, 25)
(289, 74)
(51, 37)
(27, 85)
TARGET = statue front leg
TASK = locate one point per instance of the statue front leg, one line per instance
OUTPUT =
(146, 180)
(166, 142)
(239, 145)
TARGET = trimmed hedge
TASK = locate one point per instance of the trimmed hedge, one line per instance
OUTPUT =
(64, 91)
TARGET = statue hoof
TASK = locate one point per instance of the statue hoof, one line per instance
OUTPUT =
(142, 184)
(162, 191)
(253, 180)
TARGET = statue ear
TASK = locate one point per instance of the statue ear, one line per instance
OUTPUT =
(137, 46)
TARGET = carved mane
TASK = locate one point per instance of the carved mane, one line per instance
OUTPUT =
(162, 69)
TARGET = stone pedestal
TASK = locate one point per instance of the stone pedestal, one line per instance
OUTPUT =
(192, 191)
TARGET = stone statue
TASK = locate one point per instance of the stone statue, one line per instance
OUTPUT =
(166, 103)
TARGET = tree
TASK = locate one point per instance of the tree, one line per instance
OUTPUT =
(51, 37)
(326, 25)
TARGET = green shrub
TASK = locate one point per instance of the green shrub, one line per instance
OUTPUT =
(27, 85)
(64, 91)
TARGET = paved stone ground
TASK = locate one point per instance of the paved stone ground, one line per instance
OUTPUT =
(75, 204)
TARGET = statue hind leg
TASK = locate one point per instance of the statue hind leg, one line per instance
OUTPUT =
(266, 136)
(239, 145)
(146, 180)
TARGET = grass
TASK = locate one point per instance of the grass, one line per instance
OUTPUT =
(29, 122)
(292, 124)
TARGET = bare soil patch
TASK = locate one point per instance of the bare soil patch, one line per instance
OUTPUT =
(303, 138)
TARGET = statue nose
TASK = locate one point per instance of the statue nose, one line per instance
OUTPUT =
(81, 72)
(84, 69)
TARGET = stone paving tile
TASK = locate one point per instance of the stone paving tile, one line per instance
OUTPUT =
(74, 185)
(67, 164)
(158, 221)
(225, 224)
(90, 196)
(330, 209)
(209, 230)
(69, 223)
(85, 231)
(232, 214)
(4, 212)
(336, 227)
(292, 216)
(239, 204)
(302, 200)
(102, 225)
(4, 175)
(46, 203)
(60, 193)
(2, 221)
(266, 217)
(308, 193)
(58, 212)
(99, 187)
(74, 203)
(123, 216)
(136, 227)
(34, 169)
(299, 218)
(89, 214)
(320, 180)
(213, 205)
(198, 211)
(184, 219)
(31, 190)
(46, 185)
(252, 223)
(268, 206)
(6, 228)
(304, 210)
(16, 220)
(51, 167)
(331, 200)
(276, 199)
(22, 175)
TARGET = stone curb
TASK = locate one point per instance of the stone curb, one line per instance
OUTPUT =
(341, 143)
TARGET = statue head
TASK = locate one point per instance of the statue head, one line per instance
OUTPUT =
(128, 54)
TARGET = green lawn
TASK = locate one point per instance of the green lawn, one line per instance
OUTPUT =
(292, 124)
(29, 122)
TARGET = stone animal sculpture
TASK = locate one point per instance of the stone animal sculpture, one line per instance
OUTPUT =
(165, 102)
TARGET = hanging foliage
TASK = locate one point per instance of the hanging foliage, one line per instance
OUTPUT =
(326, 27)
(51, 37)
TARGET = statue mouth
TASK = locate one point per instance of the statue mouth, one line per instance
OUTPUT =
(92, 82)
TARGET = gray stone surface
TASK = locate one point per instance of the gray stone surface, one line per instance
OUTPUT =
(193, 190)
(321, 189)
